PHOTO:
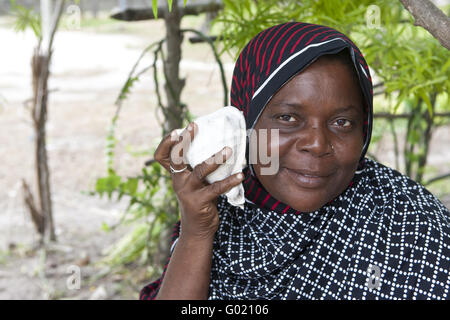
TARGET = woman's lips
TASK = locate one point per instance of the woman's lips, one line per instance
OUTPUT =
(308, 179)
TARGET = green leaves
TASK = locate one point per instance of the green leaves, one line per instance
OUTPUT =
(152, 207)
(127, 88)
(129, 248)
(26, 18)
(169, 3)
(405, 58)
(243, 19)
(108, 184)
(155, 8)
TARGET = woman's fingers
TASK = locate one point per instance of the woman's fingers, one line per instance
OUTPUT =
(202, 170)
(171, 151)
(163, 151)
(176, 159)
(220, 187)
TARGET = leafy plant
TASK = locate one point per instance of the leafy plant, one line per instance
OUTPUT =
(26, 18)
(169, 3)
(152, 207)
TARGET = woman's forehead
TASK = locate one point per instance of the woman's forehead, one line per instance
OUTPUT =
(323, 81)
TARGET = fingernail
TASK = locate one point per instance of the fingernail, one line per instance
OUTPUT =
(226, 151)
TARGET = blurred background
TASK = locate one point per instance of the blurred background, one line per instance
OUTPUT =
(88, 88)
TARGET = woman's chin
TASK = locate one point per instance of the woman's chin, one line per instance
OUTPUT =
(307, 209)
(314, 201)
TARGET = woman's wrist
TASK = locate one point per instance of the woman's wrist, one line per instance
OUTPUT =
(188, 272)
(196, 241)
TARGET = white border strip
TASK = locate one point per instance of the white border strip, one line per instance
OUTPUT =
(364, 71)
(287, 61)
(173, 245)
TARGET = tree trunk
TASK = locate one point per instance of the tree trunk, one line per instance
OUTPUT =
(174, 85)
(42, 213)
(431, 18)
(40, 73)
(426, 138)
(174, 109)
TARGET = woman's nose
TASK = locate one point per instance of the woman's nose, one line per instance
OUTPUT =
(314, 139)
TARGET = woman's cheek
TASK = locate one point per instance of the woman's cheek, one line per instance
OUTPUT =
(348, 155)
(274, 150)
(268, 151)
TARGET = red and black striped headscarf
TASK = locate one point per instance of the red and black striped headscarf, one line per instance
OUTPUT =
(270, 60)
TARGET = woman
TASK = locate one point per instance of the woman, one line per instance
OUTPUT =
(330, 223)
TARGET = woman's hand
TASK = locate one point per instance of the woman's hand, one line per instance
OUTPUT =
(196, 197)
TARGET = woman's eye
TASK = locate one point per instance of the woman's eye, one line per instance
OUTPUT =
(286, 117)
(343, 123)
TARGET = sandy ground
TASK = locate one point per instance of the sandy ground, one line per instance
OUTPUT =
(89, 68)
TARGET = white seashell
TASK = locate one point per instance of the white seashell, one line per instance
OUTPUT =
(225, 127)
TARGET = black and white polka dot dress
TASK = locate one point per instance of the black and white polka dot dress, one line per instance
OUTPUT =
(384, 237)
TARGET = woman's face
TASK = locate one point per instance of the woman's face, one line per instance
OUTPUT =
(319, 115)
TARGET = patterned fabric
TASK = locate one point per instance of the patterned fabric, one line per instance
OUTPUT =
(384, 237)
(385, 222)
